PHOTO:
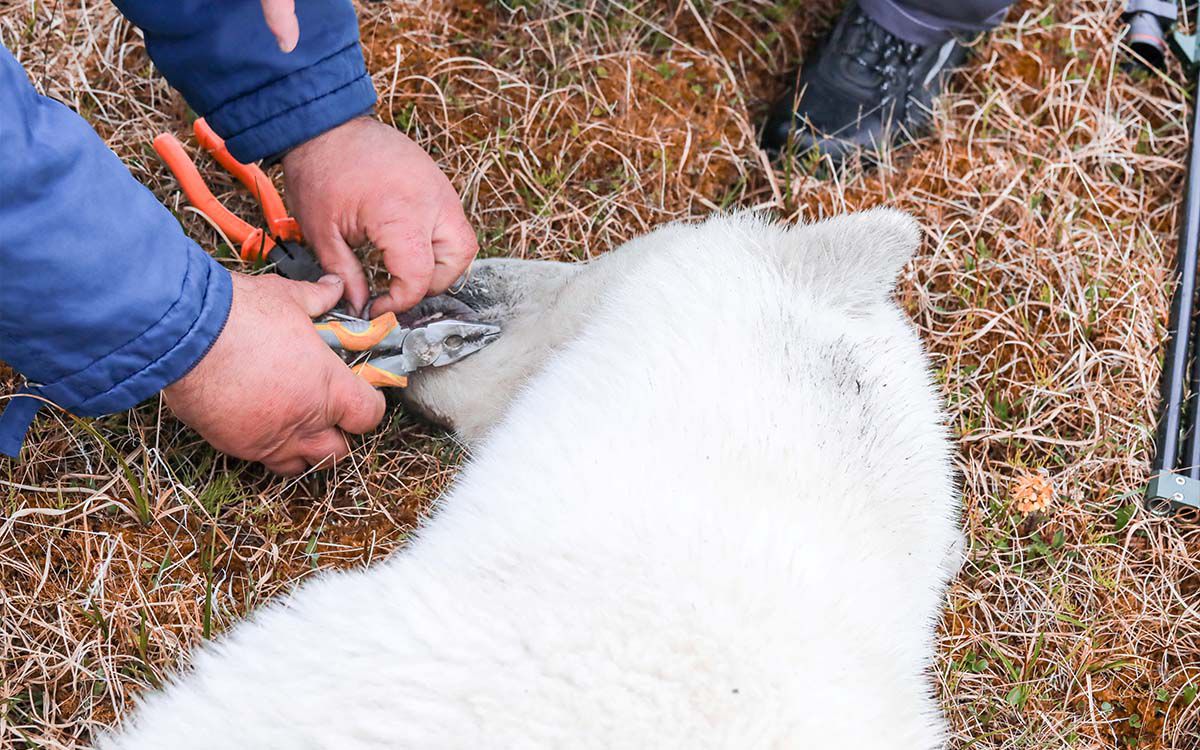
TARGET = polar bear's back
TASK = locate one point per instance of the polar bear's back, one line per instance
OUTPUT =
(719, 517)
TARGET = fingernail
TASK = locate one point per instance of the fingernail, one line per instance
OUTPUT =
(330, 278)
(461, 282)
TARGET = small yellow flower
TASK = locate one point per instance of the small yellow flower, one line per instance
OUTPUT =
(1032, 493)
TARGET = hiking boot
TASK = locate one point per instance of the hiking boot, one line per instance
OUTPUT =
(864, 88)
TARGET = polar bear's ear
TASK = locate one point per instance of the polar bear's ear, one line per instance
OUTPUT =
(854, 259)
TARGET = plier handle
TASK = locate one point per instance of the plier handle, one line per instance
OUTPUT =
(381, 351)
(278, 243)
(384, 353)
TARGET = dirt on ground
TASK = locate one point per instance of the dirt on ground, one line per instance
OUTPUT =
(1048, 192)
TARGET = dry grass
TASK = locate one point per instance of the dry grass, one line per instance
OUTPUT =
(1049, 196)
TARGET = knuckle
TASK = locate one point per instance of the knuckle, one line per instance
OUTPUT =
(462, 252)
(410, 284)
(331, 451)
(405, 296)
(400, 230)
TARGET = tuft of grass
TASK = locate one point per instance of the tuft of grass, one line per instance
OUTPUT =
(141, 503)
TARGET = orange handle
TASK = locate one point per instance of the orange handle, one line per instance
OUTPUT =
(197, 192)
(255, 180)
(364, 339)
(254, 243)
(380, 378)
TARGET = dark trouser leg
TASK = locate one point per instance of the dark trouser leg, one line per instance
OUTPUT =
(934, 21)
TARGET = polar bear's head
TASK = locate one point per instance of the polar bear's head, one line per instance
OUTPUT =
(846, 263)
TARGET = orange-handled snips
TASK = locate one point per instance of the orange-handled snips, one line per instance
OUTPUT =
(278, 242)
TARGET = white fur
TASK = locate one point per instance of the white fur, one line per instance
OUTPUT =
(718, 515)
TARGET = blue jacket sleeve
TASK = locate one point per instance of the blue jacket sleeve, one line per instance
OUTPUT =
(103, 300)
(225, 61)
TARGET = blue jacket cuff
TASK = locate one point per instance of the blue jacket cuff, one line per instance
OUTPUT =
(142, 367)
(297, 107)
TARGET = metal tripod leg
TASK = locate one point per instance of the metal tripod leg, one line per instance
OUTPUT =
(1175, 481)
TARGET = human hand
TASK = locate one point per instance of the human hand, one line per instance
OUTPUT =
(364, 180)
(281, 20)
(270, 389)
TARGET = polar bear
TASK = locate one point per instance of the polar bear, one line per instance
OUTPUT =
(710, 504)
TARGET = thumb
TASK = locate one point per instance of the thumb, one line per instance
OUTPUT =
(354, 406)
(317, 298)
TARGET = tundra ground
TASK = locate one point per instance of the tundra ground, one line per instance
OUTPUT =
(1048, 193)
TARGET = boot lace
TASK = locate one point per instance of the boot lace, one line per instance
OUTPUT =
(876, 56)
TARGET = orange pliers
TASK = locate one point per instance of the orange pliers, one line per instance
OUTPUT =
(381, 350)
(278, 242)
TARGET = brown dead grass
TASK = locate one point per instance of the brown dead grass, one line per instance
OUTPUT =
(1048, 194)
